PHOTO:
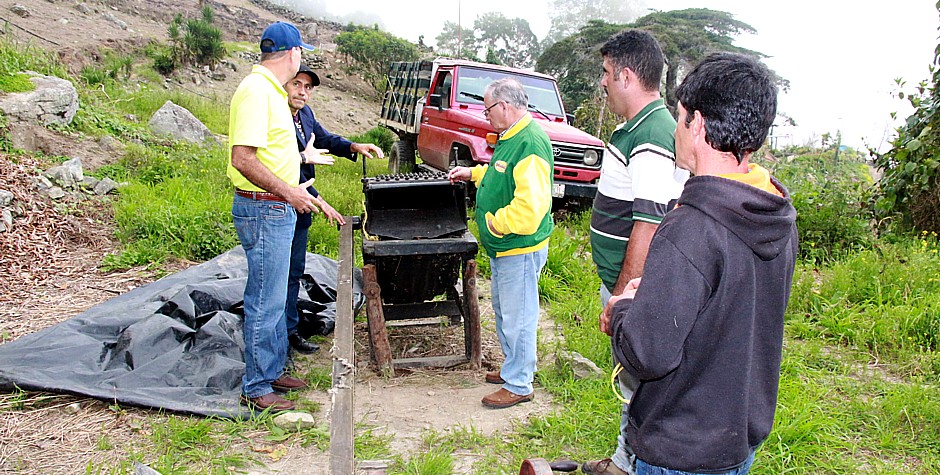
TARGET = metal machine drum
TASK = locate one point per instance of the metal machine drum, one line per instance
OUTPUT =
(415, 247)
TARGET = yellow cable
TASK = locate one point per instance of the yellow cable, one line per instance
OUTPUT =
(613, 385)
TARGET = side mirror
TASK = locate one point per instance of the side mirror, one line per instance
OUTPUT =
(434, 100)
(570, 118)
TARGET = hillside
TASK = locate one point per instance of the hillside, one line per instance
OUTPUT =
(81, 33)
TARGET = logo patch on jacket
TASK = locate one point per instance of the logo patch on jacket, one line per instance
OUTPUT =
(500, 166)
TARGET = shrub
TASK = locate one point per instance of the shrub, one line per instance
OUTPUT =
(831, 199)
(195, 41)
(910, 185)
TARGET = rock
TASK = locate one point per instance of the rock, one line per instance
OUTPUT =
(113, 19)
(310, 30)
(141, 469)
(583, 368)
(43, 183)
(6, 220)
(63, 21)
(110, 144)
(72, 408)
(131, 117)
(83, 8)
(19, 10)
(179, 123)
(105, 186)
(6, 197)
(55, 192)
(89, 182)
(54, 101)
(217, 76)
(295, 421)
(67, 175)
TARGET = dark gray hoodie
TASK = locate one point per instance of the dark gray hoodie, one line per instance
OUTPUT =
(705, 329)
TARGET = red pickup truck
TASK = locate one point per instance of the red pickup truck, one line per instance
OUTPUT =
(436, 109)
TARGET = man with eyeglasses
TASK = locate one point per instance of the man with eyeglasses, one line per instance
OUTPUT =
(264, 167)
(513, 213)
(310, 134)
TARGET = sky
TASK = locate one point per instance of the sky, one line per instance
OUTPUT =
(841, 57)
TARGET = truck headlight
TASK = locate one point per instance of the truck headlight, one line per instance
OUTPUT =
(590, 157)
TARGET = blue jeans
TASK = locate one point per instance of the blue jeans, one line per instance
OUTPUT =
(265, 229)
(298, 259)
(515, 287)
(623, 457)
(643, 468)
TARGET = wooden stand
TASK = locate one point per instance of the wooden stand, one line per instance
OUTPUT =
(466, 308)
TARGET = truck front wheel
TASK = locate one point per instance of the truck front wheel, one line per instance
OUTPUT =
(402, 158)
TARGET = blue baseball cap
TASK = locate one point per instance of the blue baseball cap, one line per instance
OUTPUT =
(282, 36)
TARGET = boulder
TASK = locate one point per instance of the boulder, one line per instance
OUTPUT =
(179, 123)
(67, 175)
(105, 186)
(6, 220)
(6, 197)
(54, 101)
(19, 10)
(582, 367)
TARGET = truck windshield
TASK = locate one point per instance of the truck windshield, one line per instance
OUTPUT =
(471, 82)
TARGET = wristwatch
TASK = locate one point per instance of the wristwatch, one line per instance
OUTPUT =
(303, 158)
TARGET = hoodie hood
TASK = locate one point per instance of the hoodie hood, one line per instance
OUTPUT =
(762, 220)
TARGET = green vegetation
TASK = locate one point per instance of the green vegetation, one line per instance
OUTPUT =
(17, 82)
(859, 376)
(193, 41)
(910, 186)
(371, 50)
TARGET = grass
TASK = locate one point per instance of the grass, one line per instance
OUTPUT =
(858, 385)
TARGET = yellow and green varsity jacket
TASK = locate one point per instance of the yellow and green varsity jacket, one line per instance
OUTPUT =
(514, 192)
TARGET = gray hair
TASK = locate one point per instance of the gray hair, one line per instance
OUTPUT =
(509, 90)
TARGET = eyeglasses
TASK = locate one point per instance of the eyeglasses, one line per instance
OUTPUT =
(486, 112)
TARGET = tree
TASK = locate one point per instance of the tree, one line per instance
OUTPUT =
(371, 50)
(576, 62)
(909, 187)
(511, 40)
(456, 42)
(568, 16)
(686, 36)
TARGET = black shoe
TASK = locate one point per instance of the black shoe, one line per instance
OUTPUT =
(300, 345)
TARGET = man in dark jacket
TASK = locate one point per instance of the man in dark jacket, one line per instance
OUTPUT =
(703, 329)
(311, 138)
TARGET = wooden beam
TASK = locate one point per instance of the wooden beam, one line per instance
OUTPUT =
(342, 450)
(472, 321)
(378, 335)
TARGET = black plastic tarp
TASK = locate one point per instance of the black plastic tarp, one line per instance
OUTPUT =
(175, 344)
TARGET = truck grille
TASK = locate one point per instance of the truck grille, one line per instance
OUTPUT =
(573, 155)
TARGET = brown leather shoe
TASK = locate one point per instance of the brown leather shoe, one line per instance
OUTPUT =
(503, 399)
(602, 467)
(269, 401)
(493, 377)
(288, 383)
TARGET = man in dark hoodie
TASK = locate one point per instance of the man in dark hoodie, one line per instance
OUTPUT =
(703, 329)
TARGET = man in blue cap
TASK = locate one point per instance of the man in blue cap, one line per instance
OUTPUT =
(264, 167)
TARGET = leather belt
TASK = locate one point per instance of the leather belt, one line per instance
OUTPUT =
(260, 195)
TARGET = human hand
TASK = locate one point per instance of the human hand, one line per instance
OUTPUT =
(607, 313)
(459, 173)
(328, 212)
(301, 200)
(317, 156)
(367, 149)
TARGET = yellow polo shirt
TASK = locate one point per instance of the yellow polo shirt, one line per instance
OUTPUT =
(260, 117)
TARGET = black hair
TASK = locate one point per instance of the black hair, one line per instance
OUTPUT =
(639, 51)
(737, 96)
